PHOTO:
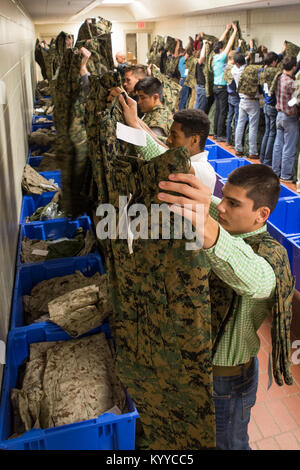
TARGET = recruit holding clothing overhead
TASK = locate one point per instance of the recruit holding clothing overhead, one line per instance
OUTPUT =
(161, 319)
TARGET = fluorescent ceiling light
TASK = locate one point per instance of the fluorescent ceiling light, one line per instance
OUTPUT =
(111, 2)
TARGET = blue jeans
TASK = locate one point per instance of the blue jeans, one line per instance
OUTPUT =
(285, 145)
(247, 108)
(201, 100)
(233, 399)
(266, 149)
(184, 94)
(233, 112)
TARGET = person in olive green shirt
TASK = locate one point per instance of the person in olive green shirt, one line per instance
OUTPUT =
(157, 116)
(232, 227)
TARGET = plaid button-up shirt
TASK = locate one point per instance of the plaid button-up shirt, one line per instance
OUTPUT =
(284, 93)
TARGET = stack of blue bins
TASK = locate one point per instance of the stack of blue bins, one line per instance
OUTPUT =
(108, 431)
(284, 222)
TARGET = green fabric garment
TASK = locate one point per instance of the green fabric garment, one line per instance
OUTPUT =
(224, 304)
(160, 117)
(161, 313)
(171, 89)
(292, 50)
(248, 83)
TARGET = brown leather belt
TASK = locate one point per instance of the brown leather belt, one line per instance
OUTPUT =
(228, 371)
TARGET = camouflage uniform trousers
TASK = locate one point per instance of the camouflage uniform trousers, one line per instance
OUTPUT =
(161, 319)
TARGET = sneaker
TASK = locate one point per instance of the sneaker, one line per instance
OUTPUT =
(239, 154)
(254, 157)
(221, 139)
(286, 181)
(215, 137)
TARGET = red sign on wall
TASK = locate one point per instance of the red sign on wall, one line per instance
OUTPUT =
(141, 25)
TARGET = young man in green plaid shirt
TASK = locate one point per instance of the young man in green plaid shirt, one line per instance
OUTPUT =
(249, 196)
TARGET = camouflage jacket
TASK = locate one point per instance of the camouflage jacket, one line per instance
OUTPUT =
(161, 117)
(160, 296)
(248, 83)
(154, 53)
(171, 89)
(191, 64)
(227, 76)
(224, 302)
(171, 66)
(291, 49)
(267, 76)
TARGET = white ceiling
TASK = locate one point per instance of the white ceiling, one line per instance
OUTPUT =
(138, 10)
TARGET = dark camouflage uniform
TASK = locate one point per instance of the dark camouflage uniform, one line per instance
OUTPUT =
(161, 319)
(171, 90)
(248, 83)
(160, 117)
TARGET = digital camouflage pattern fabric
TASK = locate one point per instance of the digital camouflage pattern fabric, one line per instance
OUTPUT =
(66, 382)
(160, 117)
(171, 89)
(248, 83)
(224, 301)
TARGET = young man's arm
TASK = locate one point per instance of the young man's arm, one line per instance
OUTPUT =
(223, 35)
(231, 39)
(231, 258)
(202, 54)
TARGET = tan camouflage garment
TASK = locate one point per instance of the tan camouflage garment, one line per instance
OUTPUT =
(66, 382)
(34, 183)
(81, 244)
(81, 310)
(36, 303)
(224, 302)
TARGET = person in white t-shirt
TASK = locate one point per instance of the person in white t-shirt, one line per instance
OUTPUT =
(190, 129)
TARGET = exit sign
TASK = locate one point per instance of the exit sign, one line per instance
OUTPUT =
(141, 25)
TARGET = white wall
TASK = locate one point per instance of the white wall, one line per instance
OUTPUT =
(269, 26)
(17, 73)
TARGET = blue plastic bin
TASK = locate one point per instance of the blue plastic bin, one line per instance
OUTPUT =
(107, 432)
(293, 249)
(215, 152)
(28, 275)
(226, 165)
(31, 203)
(50, 229)
(284, 222)
(35, 162)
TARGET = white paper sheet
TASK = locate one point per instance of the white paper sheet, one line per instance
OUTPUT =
(131, 135)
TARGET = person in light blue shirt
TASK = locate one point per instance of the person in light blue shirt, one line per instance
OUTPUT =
(185, 90)
(220, 86)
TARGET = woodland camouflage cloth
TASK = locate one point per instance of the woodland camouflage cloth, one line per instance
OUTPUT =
(161, 117)
(171, 89)
(160, 296)
(224, 302)
(154, 53)
(248, 83)
(66, 382)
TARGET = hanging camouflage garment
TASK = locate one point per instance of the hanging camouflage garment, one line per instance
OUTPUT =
(227, 76)
(161, 317)
(267, 76)
(224, 303)
(66, 382)
(72, 151)
(207, 70)
(171, 89)
(38, 56)
(170, 45)
(248, 83)
(291, 49)
(161, 117)
(154, 53)
(171, 66)
(57, 57)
